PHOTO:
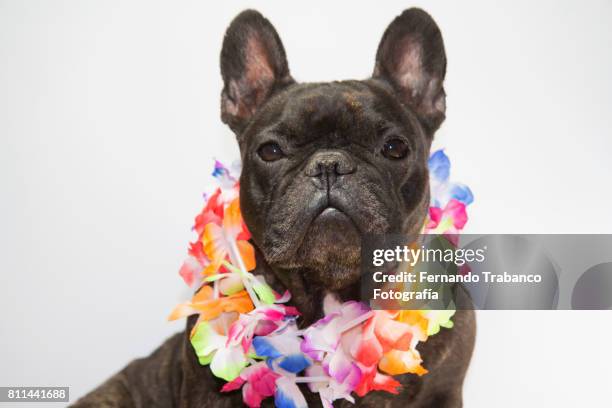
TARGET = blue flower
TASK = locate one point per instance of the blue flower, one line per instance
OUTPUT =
(439, 166)
(442, 190)
(282, 349)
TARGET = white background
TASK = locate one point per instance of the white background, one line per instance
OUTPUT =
(109, 119)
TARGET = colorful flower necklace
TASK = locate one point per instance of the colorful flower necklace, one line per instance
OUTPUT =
(249, 337)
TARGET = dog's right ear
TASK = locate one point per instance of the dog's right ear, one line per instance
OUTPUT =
(253, 66)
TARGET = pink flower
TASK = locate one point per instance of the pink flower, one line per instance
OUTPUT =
(324, 336)
(212, 212)
(448, 221)
(260, 322)
(257, 381)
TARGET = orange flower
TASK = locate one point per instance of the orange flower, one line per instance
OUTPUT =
(401, 361)
(208, 307)
(418, 322)
(397, 362)
(223, 241)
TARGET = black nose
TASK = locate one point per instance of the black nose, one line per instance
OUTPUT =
(326, 166)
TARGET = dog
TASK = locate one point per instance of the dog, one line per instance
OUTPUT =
(323, 164)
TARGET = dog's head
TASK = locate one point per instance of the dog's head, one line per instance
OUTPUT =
(326, 163)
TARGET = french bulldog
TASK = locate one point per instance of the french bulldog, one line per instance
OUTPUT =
(323, 164)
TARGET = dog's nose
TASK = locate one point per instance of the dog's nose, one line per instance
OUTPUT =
(326, 166)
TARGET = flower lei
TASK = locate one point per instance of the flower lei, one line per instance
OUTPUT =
(249, 337)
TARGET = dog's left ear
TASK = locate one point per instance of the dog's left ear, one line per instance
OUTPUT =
(411, 58)
(253, 67)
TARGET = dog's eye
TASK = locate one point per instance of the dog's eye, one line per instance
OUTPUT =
(395, 149)
(270, 152)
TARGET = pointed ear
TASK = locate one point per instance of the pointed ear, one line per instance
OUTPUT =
(253, 67)
(411, 58)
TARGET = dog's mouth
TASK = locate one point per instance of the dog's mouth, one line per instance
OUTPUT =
(332, 214)
(333, 223)
(331, 247)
